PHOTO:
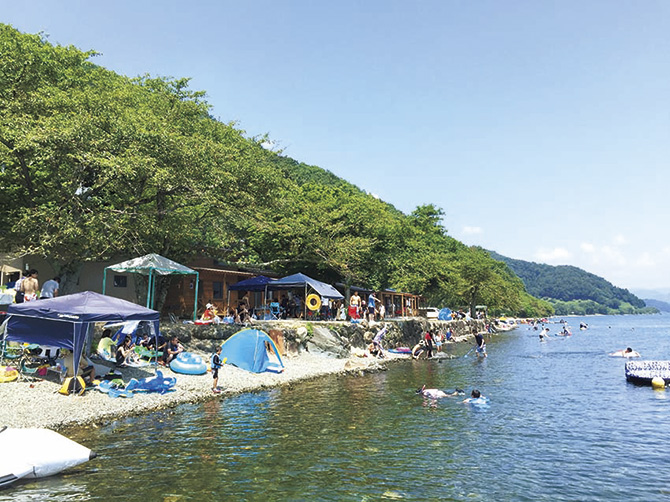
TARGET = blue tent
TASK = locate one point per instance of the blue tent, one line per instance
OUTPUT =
(246, 349)
(444, 315)
(257, 283)
(302, 281)
(64, 321)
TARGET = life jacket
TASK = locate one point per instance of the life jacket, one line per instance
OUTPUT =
(213, 365)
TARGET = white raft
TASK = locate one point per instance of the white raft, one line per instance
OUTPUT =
(37, 453)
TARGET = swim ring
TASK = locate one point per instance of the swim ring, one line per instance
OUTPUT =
(188, 364)
(313, 302)
(8, 374)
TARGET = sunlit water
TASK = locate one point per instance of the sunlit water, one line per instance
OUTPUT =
(562, 424)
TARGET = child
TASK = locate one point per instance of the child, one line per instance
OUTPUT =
(216, 364)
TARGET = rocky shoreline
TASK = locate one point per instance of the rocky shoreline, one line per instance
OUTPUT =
(38, 403)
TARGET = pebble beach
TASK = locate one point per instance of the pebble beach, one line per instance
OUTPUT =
(39, 404)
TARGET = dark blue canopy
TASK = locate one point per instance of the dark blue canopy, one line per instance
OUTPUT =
(257, 283)
(302, 281)
(64, 321)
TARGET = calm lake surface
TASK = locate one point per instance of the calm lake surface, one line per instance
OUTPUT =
(562, 424)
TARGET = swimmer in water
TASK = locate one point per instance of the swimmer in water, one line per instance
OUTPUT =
(474, 395)
(625, 353)
(437, 393)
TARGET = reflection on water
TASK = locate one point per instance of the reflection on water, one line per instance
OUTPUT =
(562, 424)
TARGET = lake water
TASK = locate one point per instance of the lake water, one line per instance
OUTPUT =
(562, 424)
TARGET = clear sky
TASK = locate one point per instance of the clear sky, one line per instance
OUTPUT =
(541, 128)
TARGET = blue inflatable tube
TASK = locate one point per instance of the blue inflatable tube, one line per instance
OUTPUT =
(188, 363)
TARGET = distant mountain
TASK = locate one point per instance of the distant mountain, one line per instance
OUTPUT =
(572, 290)
(658, 304)
(657, 294)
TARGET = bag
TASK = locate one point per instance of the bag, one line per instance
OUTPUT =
(73, 385)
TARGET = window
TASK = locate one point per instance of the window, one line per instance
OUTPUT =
(120, 281)
(217, 290)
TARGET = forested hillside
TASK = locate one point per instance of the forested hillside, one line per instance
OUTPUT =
(572, 290)
(96, 165)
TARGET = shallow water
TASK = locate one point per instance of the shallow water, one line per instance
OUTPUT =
(562, 424)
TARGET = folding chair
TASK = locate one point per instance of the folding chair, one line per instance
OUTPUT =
(275, 310)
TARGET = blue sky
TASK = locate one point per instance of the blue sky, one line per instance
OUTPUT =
(541, 128)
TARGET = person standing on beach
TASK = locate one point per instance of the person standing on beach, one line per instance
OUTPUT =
(216, 364)
(354, 303)
(29, 286)
(50, 288)
(372, 299)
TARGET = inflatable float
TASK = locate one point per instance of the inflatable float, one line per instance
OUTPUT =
(188, 363)
(313, 302)
(158, 383)
(643, 372)
(38, 453)
(8, 374)
(400, 350)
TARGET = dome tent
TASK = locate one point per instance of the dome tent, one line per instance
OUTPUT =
(246, 349)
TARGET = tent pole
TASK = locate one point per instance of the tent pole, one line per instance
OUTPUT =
(104, 280)
(153, 293)
(195, 303)
(149, 287)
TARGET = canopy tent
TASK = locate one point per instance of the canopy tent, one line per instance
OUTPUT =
(152, 265)
(302, 281)
(64, 321)
(258, 283)
(299, 280)
(7, 270)
(246, 349)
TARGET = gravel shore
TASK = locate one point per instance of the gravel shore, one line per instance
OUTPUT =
(38, 403)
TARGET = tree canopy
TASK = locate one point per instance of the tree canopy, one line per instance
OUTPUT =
(95, 165)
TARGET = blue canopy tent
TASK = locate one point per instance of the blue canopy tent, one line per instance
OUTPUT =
(246, 349)
(152, 265)
(64, 321)
(299, 280)
(258, 283)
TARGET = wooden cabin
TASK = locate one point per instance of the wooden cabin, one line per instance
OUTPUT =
(214, 280)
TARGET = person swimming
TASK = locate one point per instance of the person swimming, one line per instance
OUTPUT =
(437, 393)
(625, 353)
(477, 398)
